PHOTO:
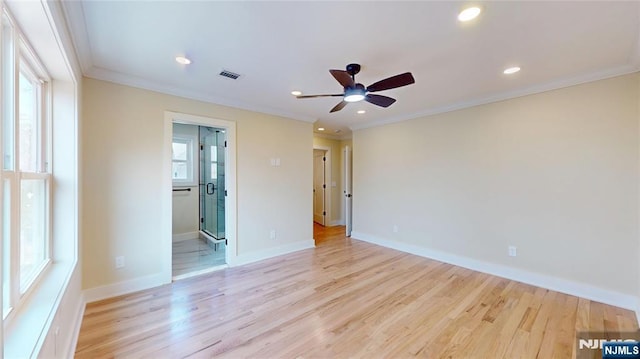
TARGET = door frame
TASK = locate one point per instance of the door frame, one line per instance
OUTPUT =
(347, 202)
(327, 180)
(231, 252)
(322, 217)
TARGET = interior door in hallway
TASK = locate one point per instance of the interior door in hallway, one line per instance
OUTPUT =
(319, 186)
(347, 190)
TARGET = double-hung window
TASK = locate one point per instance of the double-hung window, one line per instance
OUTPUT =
(182, 161)
(26, 172)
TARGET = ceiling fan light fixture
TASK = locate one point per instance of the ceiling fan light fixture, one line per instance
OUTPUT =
(354, 94)
(354, 98)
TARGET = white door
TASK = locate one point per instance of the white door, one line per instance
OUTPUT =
(347, 189)
(319, 186)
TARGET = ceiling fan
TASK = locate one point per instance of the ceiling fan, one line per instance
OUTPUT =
(354, 92)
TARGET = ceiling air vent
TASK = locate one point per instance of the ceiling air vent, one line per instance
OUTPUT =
(229, 74)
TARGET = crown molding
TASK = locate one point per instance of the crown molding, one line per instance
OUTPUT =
(129, 80)
(332, 137)
(74, 14)
(549, 86)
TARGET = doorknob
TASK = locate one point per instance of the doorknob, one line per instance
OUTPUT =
(210, 188)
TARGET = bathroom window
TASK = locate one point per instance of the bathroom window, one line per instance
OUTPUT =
(26, 174)
(182, 161)
(214, 162)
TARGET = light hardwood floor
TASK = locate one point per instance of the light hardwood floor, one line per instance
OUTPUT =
(196, 254)
(344, 299)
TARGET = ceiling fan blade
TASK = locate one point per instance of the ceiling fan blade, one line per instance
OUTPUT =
(327, 95)
(380, 100)
(339, 106)
(343, 78)
(392, 82)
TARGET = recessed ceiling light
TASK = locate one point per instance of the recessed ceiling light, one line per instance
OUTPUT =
(511, 70)
(183, 60)
(469, 13)
(320, 128)
(361, 111)
(296, 93)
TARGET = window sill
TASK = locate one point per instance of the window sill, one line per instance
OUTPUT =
(27, 329)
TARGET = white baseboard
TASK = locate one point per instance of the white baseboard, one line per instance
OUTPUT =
(154, 280)
(338, 222)
(69, 348)
(540, 280)
(125, 287)
(270, 253)
(184, 236)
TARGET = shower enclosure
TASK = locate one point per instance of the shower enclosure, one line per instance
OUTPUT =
(211, 184)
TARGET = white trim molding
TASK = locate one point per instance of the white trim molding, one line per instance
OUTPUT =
(125, 287)
(550, 86)
(185, 236)
(154, 280)
(69, 348)
(578, 289)
(256, 256)
(328, 176)
(231, 212)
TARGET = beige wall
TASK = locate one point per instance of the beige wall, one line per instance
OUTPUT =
(186, 210)
(122, 170)
(555, 174)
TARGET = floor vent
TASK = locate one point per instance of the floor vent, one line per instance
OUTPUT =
(229, 74)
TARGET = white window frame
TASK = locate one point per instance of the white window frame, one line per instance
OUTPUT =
(25, 61)
(191, 179)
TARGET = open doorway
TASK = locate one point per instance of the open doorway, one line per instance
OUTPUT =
(202, 203)
(198, 163)
(319, 186)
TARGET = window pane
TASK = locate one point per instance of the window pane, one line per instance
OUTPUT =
(214, 170)
(214, 158)
(180, 171)
(7, 94)
(180, 151)
(33, 232)
(6, 247)
(214, 153)
(28, 125)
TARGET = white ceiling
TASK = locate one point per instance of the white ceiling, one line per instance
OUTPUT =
(278, 47)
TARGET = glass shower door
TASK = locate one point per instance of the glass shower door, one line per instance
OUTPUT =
(221, 194)
(212, 182)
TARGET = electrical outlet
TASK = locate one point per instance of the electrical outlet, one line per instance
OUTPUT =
(512, 251)
(119, 262)
(272, 234)
(395, 228)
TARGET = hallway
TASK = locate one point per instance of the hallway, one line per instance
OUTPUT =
(323, 234)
